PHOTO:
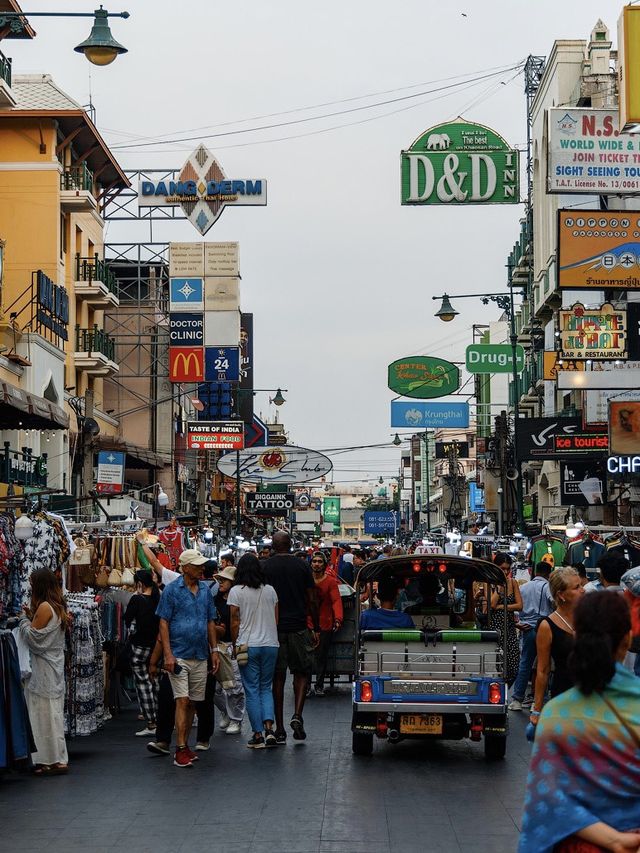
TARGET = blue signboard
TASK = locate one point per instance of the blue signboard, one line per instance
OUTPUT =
(379, 523)
(426, 415)
(110, 472)
(186, 294)
(186, 330)
(476, 498)
(222, 364)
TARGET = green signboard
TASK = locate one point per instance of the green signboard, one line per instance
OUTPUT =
(494, 358)
(460, 163)
(331, 512)
(423, 377)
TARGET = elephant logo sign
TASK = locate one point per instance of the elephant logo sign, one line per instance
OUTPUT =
(438, 142)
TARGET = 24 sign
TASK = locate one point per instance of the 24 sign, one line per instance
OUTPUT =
(222, 364)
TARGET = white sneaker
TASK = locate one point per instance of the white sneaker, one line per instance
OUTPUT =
(224, 722)
(233, 728)
(146, 732)
(515, 705)
(202, 746)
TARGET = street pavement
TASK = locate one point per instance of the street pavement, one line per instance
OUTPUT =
(312, 797)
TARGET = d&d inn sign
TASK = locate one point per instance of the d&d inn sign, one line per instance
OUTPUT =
(460, 163)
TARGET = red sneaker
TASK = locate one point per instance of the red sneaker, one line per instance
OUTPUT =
(192, 755)
(182, 758)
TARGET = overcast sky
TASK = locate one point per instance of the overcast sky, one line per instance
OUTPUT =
(338, 274)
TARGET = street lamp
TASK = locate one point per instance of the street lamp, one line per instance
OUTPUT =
(278, 400)
(504, 300)
(100, 47)
(397, 441)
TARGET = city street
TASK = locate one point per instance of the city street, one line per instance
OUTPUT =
(313, 797)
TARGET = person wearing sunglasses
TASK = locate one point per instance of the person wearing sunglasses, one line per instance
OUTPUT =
(331, 615)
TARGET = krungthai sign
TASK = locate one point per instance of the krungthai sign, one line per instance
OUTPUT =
(460, 163)
(202, 190)
(423, 377)
(593, 333)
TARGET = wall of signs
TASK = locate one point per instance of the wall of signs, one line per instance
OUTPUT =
(204, 327)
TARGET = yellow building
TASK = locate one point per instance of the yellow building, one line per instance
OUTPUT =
(55, 173)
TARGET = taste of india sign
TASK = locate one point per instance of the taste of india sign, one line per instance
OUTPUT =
(460, 163)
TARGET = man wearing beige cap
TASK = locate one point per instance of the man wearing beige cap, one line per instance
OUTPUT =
(188, 635)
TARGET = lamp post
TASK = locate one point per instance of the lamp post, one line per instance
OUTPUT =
(100, 48)
(504, 300)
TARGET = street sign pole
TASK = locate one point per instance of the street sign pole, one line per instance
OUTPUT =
(238, 510)
(428, 484)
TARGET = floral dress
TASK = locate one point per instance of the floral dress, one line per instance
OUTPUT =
(512, 650)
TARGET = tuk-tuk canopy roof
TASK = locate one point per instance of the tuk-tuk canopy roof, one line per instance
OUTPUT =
(458, 568)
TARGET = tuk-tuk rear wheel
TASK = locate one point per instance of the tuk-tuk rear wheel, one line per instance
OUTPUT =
(495, 747)
(362, 743)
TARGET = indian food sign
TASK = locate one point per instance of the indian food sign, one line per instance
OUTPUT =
(423, 377)
(593, 333)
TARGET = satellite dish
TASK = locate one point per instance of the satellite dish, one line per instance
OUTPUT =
(90, 426)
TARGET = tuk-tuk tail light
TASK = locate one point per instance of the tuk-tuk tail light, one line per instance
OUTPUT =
(366, 691)
(495, 693)
(382, 725)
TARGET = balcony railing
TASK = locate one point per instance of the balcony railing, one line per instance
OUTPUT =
(76, 178)
(94, 269)
(5, 69)
(95, 340)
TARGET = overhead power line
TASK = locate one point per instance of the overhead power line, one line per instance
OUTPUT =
(350, 110)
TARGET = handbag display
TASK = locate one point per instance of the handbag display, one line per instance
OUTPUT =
(115, 577)
(128, 578)
(102, 577)
(83, 555)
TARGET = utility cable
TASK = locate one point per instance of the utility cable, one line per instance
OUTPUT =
(315, 118)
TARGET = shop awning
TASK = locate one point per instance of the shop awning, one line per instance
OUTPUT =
(21, 410)
(137, 457)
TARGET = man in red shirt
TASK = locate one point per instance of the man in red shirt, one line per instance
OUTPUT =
(331, 614)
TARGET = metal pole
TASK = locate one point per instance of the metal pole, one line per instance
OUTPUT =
(87, 446)
(428, 483)
(516, 408)
(500, 510)
(238, 510)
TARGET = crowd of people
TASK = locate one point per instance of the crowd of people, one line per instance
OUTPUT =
(225, 636)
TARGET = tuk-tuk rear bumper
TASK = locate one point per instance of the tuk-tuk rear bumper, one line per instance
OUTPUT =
(428, 708)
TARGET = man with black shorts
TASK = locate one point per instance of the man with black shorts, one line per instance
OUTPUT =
(293, 582)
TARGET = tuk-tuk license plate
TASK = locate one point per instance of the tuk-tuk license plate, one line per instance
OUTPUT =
(421, 724)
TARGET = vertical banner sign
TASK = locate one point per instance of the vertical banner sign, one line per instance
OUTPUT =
(629, 68)
(460, 163)
(110, 472)
(245, 396)
(331, 512)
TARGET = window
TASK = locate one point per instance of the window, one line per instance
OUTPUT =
(63, 236)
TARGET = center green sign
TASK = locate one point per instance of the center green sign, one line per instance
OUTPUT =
(494, 358)
(460, 163)
(423, 377)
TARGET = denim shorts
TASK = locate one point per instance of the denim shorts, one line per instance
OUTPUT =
(295, 652)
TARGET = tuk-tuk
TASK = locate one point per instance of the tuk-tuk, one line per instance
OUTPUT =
(438, 674)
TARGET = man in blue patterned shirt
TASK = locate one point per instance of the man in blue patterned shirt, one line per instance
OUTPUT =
(188, 636)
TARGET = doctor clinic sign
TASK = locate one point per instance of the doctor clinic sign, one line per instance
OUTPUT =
(460, 163)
